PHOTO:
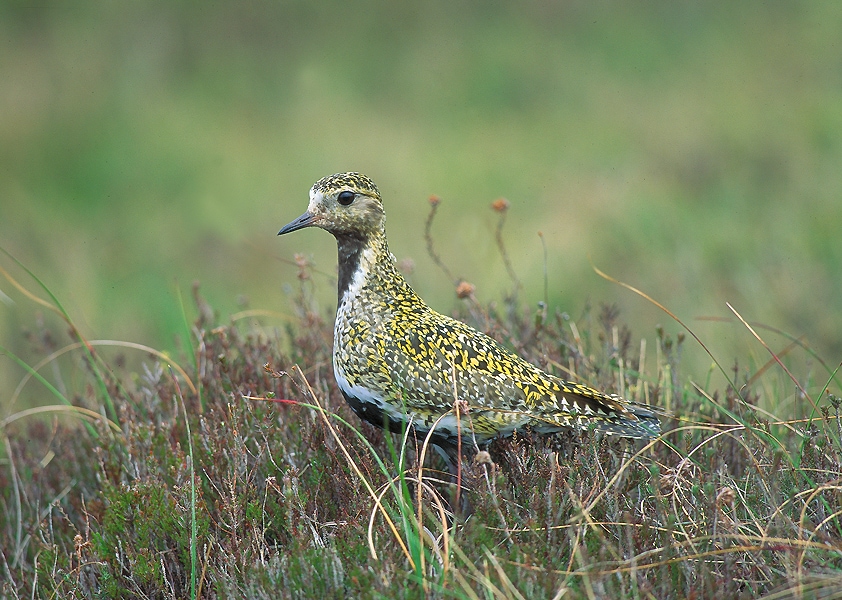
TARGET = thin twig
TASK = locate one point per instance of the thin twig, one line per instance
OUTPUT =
(428, 237)
(501, 205)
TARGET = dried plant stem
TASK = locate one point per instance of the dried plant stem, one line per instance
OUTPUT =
(498, 237)
(428, 237)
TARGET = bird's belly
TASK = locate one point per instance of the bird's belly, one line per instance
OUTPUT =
(368, 404)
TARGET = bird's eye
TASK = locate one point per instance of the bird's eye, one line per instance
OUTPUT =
(345, 198)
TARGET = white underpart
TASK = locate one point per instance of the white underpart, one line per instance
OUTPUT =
(367, 258)
(345, 308)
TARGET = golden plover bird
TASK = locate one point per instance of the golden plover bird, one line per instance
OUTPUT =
(399, 363)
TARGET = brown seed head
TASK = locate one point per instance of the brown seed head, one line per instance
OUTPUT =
(500, 205)
(725, 497)
(465, 290)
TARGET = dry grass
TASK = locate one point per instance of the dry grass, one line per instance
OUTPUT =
(245, 474)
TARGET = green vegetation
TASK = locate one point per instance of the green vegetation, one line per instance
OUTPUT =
(689, 150)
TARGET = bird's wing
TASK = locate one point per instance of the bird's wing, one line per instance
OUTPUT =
(438, 359)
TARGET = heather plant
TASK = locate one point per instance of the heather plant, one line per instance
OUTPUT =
(238, 470)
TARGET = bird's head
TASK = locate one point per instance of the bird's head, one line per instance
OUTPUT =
(345, 204)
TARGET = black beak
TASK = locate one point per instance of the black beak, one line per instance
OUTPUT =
(301, 222)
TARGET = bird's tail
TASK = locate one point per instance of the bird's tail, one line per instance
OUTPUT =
(638, 421)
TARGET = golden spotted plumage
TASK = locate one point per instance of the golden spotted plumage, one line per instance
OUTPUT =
(398, 362)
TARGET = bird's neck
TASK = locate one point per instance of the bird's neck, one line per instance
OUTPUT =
(360, 259)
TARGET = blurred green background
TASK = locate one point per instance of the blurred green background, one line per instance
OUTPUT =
(692, 149)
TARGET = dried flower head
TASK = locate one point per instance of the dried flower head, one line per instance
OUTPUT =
(500, 205)
(465, 290)
(725, 497)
